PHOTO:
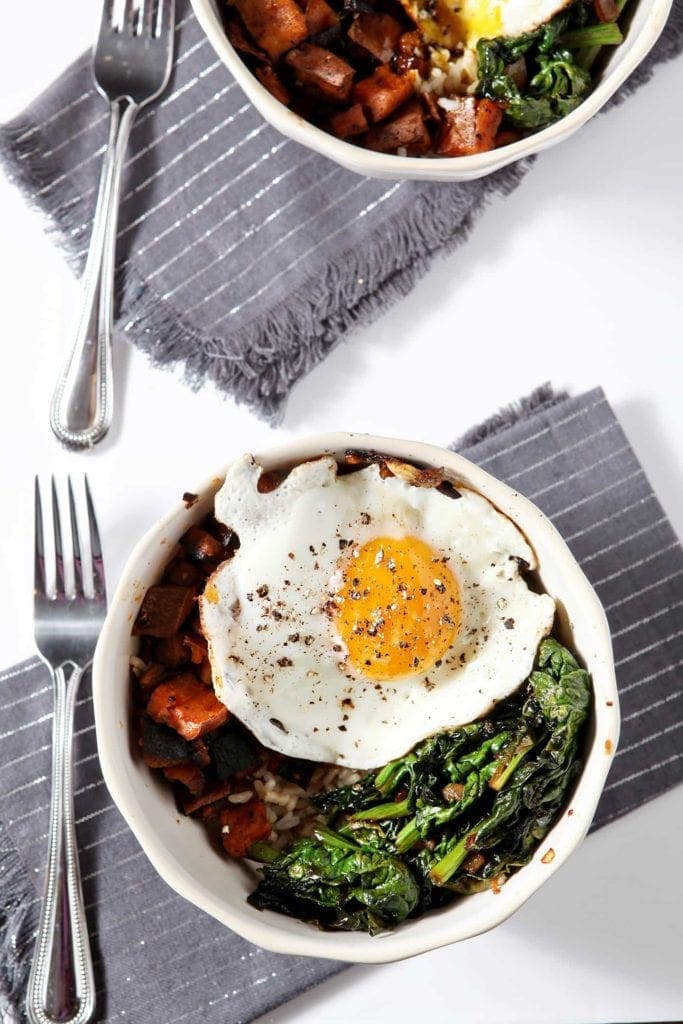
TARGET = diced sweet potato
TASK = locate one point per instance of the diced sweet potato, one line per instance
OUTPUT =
(213, 795)
(171, 652)
(382, 93)
(469, 126)
(189, 775)
(431, 107)
(405, 130)
(244, 824)
(183, 573)
(271, 81)
(240, 40)
(275, 25)
(163, 610)
(349, 122)
(195, 646)
(200, 546)
(151, 676)
(187, 706)
(506, 138)
(320, 16)
(321, 72)
(377, 34)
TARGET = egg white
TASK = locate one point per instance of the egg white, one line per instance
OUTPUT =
(280, 666)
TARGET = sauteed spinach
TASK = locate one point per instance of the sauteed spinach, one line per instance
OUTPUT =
(458, 814)
(542, 75)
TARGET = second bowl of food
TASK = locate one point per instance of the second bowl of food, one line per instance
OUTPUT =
(430, 89)
(355, 698)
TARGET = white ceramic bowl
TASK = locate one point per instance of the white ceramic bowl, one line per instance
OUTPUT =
(179, 848)
(646, 23)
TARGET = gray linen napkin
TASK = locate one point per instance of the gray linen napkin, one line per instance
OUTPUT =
(160, 960)
(242, 255)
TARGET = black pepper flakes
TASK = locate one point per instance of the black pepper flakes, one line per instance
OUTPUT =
(262, 590)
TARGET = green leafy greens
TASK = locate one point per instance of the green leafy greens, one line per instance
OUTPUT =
(459, 813)
(555, 58)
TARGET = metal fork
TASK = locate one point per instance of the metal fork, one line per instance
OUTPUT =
(61, 984)
(131, 66)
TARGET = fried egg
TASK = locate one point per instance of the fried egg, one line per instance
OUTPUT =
(453, 23)
(360, 614)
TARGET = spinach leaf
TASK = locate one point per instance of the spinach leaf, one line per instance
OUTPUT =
(338, 883)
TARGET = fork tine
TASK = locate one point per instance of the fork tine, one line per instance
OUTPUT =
(99, 583)
(59, 557)
(107, 24)
(75, 541)
(129, 17)
(39, 582)
(165, 18)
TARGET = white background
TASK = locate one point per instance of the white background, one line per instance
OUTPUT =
(576, 278)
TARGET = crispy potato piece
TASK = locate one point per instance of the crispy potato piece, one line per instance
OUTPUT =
(187, 706)
(320, 16)
(470, 127)
(321, 72)
(349, 122)
(275, 25)
(273, 83)
(240, 40)
(214, 795)
(189, 775)
(382, 93)
(163, 610)
(406, 129)
(377, 34)
(244, 824)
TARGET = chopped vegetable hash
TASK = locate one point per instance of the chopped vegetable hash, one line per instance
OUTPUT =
(425, 77)
(456, 815)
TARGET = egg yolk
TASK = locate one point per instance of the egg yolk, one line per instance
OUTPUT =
(398, 608)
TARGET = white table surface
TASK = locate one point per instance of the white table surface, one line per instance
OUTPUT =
(576, 279)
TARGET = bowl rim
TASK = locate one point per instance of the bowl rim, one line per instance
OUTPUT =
(461, 168)
(261, 927)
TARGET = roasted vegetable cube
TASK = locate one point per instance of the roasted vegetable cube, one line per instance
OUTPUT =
(189, 775)
(163, 610)
(469, 126)
(275, 25)
(161, 746)
(271, 81)
(188, 706)
(244, 824)
(377, 34)
(382, 93)
(320, 16)
(321, 72)
(405, 130)
(201, 546)
(233, 751)
(349, 122)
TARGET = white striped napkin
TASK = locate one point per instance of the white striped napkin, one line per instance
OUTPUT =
(241, 255)
(161, 961)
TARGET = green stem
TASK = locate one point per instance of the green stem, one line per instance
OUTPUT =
(386, 779)
(448, 865)
(395, 809)
(407, 837)
(263, 852)
(604, 34)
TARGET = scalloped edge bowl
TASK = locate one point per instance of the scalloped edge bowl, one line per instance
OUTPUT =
(178, 847)
(645, 25)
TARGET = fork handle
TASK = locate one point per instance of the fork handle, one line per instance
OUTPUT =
(61, 985)
(82, 403)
